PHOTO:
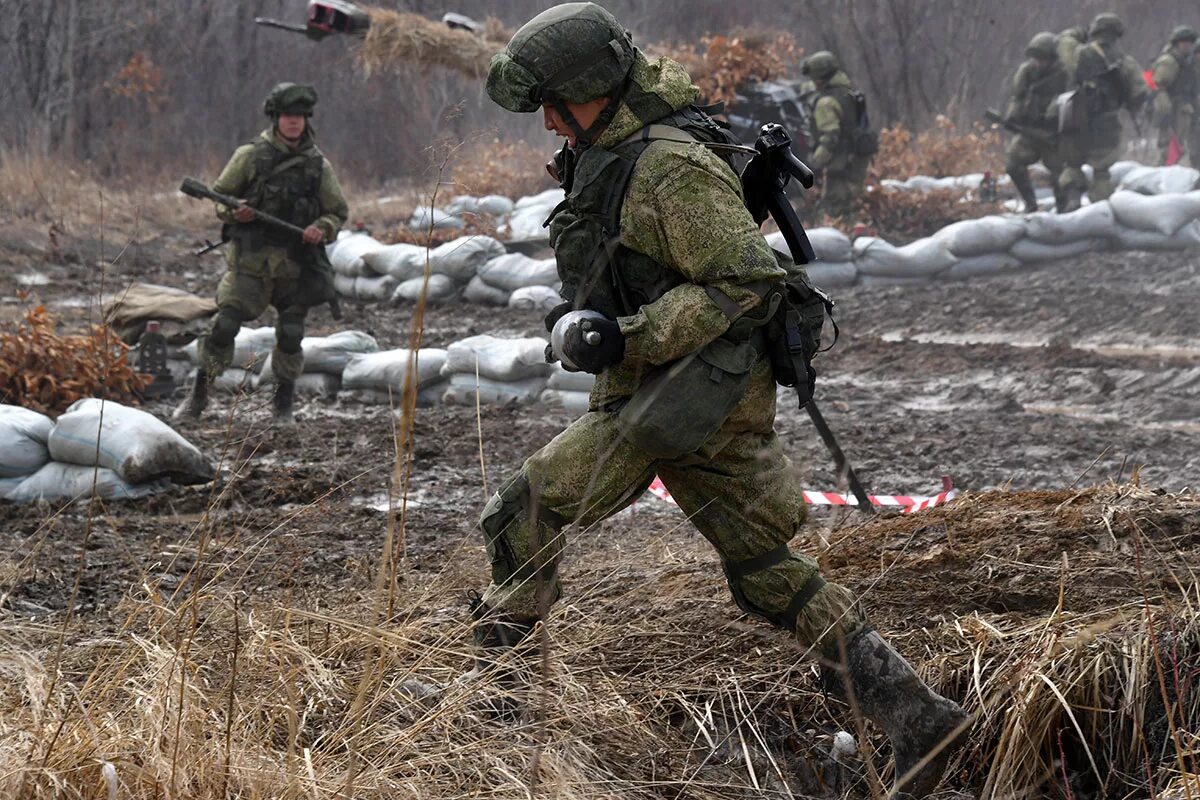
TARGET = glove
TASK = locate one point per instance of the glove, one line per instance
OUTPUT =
(556, 314)
(594, 358)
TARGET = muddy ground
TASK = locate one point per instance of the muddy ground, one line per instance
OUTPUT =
(1083, 372)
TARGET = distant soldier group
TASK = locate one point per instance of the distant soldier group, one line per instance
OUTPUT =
(1066, 103)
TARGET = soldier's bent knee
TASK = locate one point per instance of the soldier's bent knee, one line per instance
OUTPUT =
(225, 327)
(290, 332)
(513, 504)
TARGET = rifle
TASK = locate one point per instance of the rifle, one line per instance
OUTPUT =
(194, 188)
(992, 115)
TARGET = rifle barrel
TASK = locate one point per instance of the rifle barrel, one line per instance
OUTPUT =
(194, 188)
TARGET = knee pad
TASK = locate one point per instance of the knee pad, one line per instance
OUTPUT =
(225, 326)
(512, 502)
(290, 332)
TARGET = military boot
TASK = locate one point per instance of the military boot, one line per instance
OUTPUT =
(197, 398)
(1072, 199)
(285, 396)
(925, 729)
(1060, 200)
(496, 634)
(1024, 187)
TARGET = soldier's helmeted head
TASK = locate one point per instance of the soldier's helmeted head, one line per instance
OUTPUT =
(290, 98)
(820, 66)
(1106, 26)
(1043, 48)
(1183, 39)
(570, 55)
(1076, 32)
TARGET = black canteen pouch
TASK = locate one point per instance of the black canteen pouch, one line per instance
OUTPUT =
(680, 405)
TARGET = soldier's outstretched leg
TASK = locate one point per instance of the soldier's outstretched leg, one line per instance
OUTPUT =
(1019, 155)
(746, 500)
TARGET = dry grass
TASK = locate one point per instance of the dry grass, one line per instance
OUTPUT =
(901, 216)
(654, 687)
(398, 40)
(942, 151)
(494, 166)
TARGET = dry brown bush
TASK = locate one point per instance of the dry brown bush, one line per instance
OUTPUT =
(720, 64)
(941, 151)
(494, 166)
(902, 216)
(41, 370)
(474, 225)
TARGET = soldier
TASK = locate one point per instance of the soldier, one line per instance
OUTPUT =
(1174, 107)
(1106, 81)
(685, 282)
(281, 173)
(844, 142)
(1068, 44)
(1033, 109)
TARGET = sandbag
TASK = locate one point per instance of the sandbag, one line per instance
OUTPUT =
(464, 390)
(137, 446)
(65, 482)
(564, 381)
(1165, 213)
(236, 381)
(381, 287)
(459, 259)
(1090, 222)
(547, 199)
(1175, 179)
(983, 266)
(514, 271)
(127, 311)
(463, 204)
(892, 280)
(402, 261)
(23, 437)
(440, 287)
(478, 291)
(921, 259)
(344, 285)
(977, 237)
(540, 299)
(346, 254)
(1120, 170)
(527, 223)
(829, 244)
(1027, 251)
(387, 369)
(1185, 238)
(497, 359)
(495, 204)
(832, 275)
(251, 347)
(425, 217)
(427, 396)
(327, 354)
(573, 402)
(309, 384)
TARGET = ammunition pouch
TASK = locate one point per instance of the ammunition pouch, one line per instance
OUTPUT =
(793, 335)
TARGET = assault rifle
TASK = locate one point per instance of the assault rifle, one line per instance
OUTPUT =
(1012, 126)
(319, 261)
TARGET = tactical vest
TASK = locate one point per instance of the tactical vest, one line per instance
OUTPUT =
(286, 185)
(852, 111)
(1100, 72)
(1039, 93)
(1183, 89)
(598, 272)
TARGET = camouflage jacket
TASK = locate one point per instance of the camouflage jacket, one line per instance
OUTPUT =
(1034, 94)
(831, 116)
(1176, 80)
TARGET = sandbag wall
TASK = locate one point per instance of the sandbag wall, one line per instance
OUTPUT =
(102, 446)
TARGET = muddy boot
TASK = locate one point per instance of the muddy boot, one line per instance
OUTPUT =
(1024, 187)
(916, 719)
(285, 396)
(197, 398)
(1072, 199)
(496, 634)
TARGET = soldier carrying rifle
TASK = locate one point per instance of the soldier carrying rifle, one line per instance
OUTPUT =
(1033, 114)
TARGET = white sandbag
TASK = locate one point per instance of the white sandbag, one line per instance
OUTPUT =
(137, 446)
(1175, 179)
(344, 285)
(439, 288)
(832, 275)
(564, 381)
(514, 271)
(921, 259)
(983, 266)
(461, 258)
(64, 482)
(427, 396)
(402, 261)
(251, 347)
(375, 289)
(346, 254)
(547, 199)
(463, 204)
(424, 218)
(573, 402)
(829, 244)
(527, 223)
(1165, 213)
(1120, 170)
(236, 381)
(535, 298)
(497, 359)
(388, 368)
(23, 436)
(1185, 238)
(495, 204)
(330, 354)
(892, 280)
(1027, 251)
(464, 389)
(1090, 222)
(977, 237)
(478, 291)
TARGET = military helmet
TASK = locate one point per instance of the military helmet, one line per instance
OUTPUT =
(573, 52)
(1106, 24)
(290, 98)
(1043, 45)
(1075, 32)
(821, 65)
(1184, 33)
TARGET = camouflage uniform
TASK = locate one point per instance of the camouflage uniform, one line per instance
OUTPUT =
(1032, 107)
(1068, 45)
(835, 115)
(1174, 109)
(266, 268)
(1109, 81)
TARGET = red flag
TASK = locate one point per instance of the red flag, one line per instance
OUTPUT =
(1174, 151)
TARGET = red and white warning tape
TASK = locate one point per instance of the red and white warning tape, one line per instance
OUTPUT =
(908, 504)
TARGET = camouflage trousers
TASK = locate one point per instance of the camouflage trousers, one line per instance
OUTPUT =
(739, 490)
(244, 296)
(843, 187)
(1024, 151)
(1100, 147)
